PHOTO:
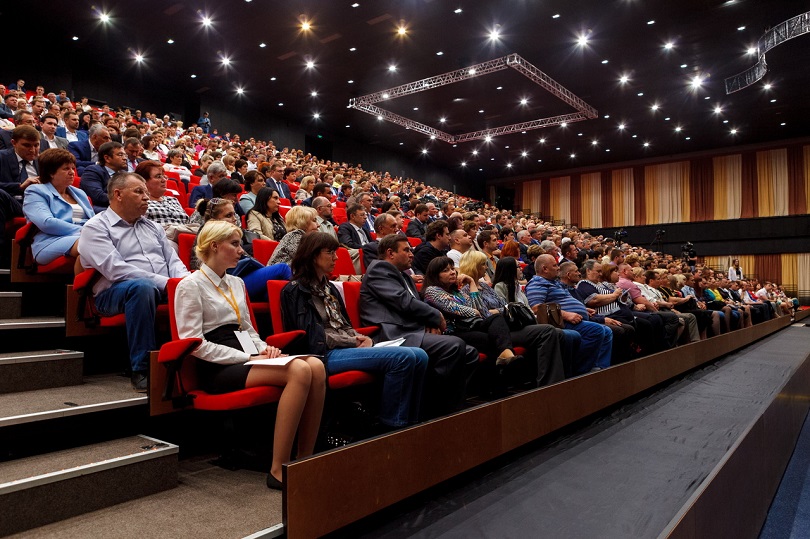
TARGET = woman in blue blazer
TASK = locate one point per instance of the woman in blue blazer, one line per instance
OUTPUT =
(56, 208)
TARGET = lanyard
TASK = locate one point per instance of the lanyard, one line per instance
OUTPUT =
(232, 301)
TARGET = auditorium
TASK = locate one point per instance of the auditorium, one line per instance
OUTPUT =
(413, 268)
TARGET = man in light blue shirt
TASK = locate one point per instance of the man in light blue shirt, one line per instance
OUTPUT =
(135, 261)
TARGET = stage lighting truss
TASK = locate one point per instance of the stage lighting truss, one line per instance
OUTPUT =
(368, 103)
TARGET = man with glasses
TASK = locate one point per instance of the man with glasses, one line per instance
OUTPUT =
(274, 181)
(111, 159)
(135, 261)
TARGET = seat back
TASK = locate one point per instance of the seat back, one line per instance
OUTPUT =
(344, 265)
(351, 293)
(171, 288)
(185, 243)
(263, 250)
(274, 299)
(415, 242)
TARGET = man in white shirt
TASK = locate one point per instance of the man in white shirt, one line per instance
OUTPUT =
(49, 139)
(460, 243)
(135, 261)
(71, 129)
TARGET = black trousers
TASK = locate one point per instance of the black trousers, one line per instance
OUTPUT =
(449, 359)
(543, 344)
(623, 337)
(9, 209)
(490, 337)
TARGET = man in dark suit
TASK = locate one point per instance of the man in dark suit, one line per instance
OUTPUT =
(321, 189)
(49, 140)
(365, 200)
(134, 149)
(18, 165)
(351, 233)
(86, 152)
(437, 243)
(384, 225)
(216, 172)
(111, 159)
(389, 299)
(416, 228)
(274, 181)
(71, 130)
(5, 139)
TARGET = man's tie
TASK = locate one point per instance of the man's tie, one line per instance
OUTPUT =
(23, 170)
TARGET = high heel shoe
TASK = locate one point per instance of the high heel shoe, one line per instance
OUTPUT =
(274, 483)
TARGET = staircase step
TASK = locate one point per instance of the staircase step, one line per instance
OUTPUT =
(52, 487)
(96, 394)
(28, 371)
(34, 322)
(10, 305)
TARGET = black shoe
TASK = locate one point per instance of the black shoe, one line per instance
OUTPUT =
(274, 483)
(140, 382)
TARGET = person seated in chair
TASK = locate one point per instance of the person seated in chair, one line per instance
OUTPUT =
(212, 305)
(112, 158)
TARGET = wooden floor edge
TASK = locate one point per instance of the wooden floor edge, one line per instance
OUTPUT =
(409, 461)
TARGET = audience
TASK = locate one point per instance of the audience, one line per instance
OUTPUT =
(299, 221)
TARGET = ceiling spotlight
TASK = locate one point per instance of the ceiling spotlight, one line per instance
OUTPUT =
(622, 126)
(542, 141)
(650, 22)
(314, 93)
(555, 16)
(193, 76)
(697, 82)
(226, 61)
(767, 86)
(170, 41)
(488, 138)
(475, 152)
(481, 111)
(740, 28)
(683, 66)
(457, 11)
(471, 72)
(316, 115)
(668, 46)
(678, 128)
(432, 137)
(440, 53)
(604, 61)
(582, 40)
(524, 101)
(773, 100)
(594, 142)
(281, 104)
(464, 163)
(355, 5)
(402, 30)
(733, 131)
(783, 123)
(240, 91)
(272, 78)
(352, 49)
(718, 109)
(305, 26)
(524, 154)
(392, 68)
(351, 81)
(262, 45)
(646, 144)
(508, 165)
(607, 116)
(499, 88)
(379, 118)
(310, 64)
(206, 21)
(752, 50)
(654, 107)
(138, 58)
(494, 34)
(442, 120)
(640, 94)
(564, 124)
(348, 125)
(573, 155)
(624, 79)
(104, 18)
(424, 151)
(385, 96)
(75, 38)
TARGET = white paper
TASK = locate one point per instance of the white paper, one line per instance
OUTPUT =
(279, 361)
(246, 342)
(395, 342)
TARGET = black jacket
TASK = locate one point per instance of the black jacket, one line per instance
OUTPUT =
(298, 312)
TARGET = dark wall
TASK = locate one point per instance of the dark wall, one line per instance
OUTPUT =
(764, 235)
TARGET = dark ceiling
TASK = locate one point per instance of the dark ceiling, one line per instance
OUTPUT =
(625, 37)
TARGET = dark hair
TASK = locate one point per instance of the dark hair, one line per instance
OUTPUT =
(434, 229)
(303, 262)
(107, 149)
(287, 171)
(354, 208)
(506, 273)
(420, 208)
(387, 205)
(505, 231)
(321, 188)
(484, 236)
(144, 168)
(52, 160)
(49, 116)
(453, 223)
(250, 177)
(226, 186)
(434, 268)
(264, 194)
(239, 163)
(389, 242)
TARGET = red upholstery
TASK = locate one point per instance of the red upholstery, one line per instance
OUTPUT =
(283, 210)
(274, 298)
(349, 379)
(344, 265)
(340, 204)
(189, 211)
(351, 293)
(339, 215)
(185, 243)
(63, 264)
(24, 237)
(415, 242)
(174, 350)
(284, 202)
(172, 175)
(263, 250)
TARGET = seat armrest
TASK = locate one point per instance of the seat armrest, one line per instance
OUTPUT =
(179, 349)
(282, 340)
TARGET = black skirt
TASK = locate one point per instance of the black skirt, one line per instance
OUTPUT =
(216, 378)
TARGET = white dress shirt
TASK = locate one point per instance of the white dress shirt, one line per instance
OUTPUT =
(200, 308)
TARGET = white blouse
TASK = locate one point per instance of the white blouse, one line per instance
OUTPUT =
(199, 308)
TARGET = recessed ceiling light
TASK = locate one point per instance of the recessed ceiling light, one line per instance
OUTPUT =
(773, 100)
(416, 108)
(262, 45)
(272, 78)
(683, 66)
(579, 134)
(640, 94)
(650, 22)
(355, 5)
(573, 155)
(316, 115)
(507, 147)
(402, 30)
(697, 81)
(193, 76)
(440, 53)
(678, 128)
(314, 93)
(305, 26)
(352, 49)
(75, 38)
(555, 16)
(707, 97)
(138, 58)
(457, 10)
(542, 141)
(492, 159)
(623, 79)
(718, 109)
(170, 41)
(524, 154)
(654, 107)
(752, 50)
(392, 68)
(206, 21)
(733, 131)
(104, 18)
(499, 88)
(646, 144)
(424, 150)
(725, 121)
(475, 152)
(226, 61)
(401, 143)
(310, 64)
(524, 101)
(281, 104)
(740, 28)
(668, 46)
(607, 149)
(582, 40)
(481, 111)
(783, 123)
(348, 125)
(634, 136)
(442, 120)
(594, 142)
(767, 86)
(687, 138)
(463, 163)
(607, 116)
(240, 91)
(351, 81)
(604, 61)
(621, 126)
(508, 165)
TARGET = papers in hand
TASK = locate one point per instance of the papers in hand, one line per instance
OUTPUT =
(280, 361)
(395, 342)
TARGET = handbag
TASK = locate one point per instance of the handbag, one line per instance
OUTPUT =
(469, 323)
(518, 316)
(549, 313)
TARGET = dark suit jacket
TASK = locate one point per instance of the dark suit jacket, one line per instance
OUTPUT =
(416, 229)
(201, 191)
(5, 139)
(10, 172)
(62, 132)
(348, 236)
(282, 188)
(388, 298)
(5, 112)
(370, 252)
(94, 182)
(422, 256)
(61, 143)
(81, 151)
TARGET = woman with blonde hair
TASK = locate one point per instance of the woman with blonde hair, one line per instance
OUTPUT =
(212, 305)
(305, 188)
(299, 221)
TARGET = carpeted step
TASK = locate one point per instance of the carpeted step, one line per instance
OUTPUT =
(28, 371)
(34, 322)
(10, 305)
(48, 488)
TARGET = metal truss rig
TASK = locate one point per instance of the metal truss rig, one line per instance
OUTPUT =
(367, 103)
(795, 27)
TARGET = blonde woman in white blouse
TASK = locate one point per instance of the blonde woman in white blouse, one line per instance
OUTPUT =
(210, 304)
